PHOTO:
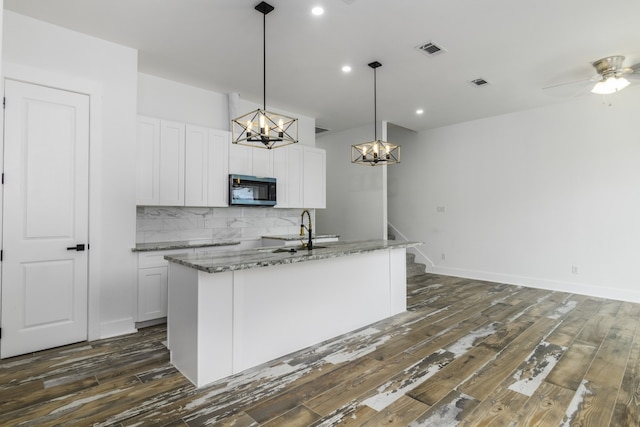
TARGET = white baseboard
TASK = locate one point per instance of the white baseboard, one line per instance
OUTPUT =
(118, 327)
(608, 292)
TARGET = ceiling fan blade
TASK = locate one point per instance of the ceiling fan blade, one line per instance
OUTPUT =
(570, 89)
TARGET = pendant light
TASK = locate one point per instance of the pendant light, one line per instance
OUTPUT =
(376, 152)
(261, 128)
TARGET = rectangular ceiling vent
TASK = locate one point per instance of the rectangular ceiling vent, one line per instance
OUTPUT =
(321, 130)
(479, 82)
(430, 49)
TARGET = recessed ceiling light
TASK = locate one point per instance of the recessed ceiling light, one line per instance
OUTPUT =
(346, 69)
(317, 11)
(419, 111)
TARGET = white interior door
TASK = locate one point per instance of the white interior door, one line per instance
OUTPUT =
(45, 218)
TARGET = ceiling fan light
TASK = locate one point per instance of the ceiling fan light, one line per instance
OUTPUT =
(610, 85)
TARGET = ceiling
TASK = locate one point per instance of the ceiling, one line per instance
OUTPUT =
(519, 47)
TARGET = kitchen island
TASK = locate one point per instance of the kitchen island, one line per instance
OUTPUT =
(235, 310)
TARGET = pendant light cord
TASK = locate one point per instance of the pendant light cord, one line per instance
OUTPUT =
(264, 62)
(375, 106)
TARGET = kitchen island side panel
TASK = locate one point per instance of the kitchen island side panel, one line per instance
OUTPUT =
(284, 308)
(199, 323)
(398, 281)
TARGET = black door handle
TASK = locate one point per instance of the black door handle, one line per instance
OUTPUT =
(78, 248)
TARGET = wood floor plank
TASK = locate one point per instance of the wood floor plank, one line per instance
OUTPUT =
(365, 382)
(449, 411)
(486, 379)
(298, 416)
(594, 401)
(451, 375)
(546, 407)
(499, 409)
(570, 369)
(399, 413)
(627, 408)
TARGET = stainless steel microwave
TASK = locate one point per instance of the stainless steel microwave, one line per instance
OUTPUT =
(246, 190)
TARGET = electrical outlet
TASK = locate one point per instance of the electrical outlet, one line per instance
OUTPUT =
(440, 209)
(443, 256)
(574, 269)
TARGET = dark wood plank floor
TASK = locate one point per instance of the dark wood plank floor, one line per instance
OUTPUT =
(466, 353)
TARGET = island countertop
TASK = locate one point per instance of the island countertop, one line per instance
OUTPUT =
(216, 262)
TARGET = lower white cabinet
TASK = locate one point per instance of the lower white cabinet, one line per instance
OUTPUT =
(152, 293)
(153, 280)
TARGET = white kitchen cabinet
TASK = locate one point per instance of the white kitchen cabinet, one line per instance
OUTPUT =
(152, 284)
(171, 163)
(245, 160)
(218, 181)
(196, 166)
(180, 164)
(153, 279)
(287, 169)
(148, 161)
(152, 293)
(314, 178)
(206, 171)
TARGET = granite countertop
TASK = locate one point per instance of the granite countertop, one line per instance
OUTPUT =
(185, 244)
(216, 262)
(299, 237)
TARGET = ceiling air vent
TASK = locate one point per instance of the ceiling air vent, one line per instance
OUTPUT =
(430, 49)
(479, 82)
(321, 130)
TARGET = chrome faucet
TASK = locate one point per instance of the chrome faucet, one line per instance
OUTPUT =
(302, 228)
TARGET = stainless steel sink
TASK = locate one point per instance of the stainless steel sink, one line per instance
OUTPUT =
(295, 249)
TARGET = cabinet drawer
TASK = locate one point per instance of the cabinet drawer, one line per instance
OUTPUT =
(156, 258)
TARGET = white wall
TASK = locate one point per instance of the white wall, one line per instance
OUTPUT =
(355, 193)
(546, 198)
(167, 99)
(113, 68)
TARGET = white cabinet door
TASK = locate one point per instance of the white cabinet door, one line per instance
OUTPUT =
(148, 161)
(152, 293)
(218, 181)
(287, 169)
(314, 182)
(245, 160)
(295, 176)
(280, 171)
(262, 162)
(196, 189)
(172, 150)
(240, 159)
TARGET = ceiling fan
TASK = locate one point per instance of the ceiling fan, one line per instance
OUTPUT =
(611, 77)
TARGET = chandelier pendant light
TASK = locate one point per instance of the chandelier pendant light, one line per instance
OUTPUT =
(261, 128)
(376, 152)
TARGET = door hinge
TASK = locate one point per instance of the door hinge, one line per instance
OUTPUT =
(4, 102)
(1, 254)
(3, 177)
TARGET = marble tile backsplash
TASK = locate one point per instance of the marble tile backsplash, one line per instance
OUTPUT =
(167, 223)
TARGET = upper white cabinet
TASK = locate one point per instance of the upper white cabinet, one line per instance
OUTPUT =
(148, 161)
(206, 169)
(160, 159)
(218, 177)
(314, 188)
(181, 165)
(245, 160)
(197, 166)
(172, 140)
(287, 169)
